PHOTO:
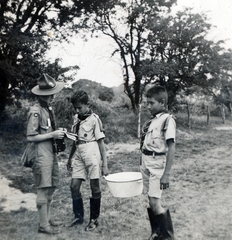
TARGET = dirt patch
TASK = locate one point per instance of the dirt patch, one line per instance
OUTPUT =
(122, 147)
(226, 128)
(12, 199)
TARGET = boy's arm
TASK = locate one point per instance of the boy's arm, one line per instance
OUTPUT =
(164, 181)
(57, 134)
(102, 149)
(69, 163)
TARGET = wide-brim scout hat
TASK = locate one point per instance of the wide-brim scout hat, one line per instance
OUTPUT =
(47, 86)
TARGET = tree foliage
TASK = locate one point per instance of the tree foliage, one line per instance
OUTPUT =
(126, 23)
(26, 27)
(157, 47)
(181, 55)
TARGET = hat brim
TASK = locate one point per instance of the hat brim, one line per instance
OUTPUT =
(45, 92)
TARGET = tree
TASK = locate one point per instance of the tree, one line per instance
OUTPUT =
(25, 38)
(126, 22)
(181, 57)
(155, 46)
(223, 96)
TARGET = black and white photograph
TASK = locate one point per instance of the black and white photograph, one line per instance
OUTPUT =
(115, 119)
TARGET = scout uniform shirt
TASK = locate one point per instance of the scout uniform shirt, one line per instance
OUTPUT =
(39, 123)
(90, 129)
(87, 157)
(156, 136)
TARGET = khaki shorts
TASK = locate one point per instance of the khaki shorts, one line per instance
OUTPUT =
(46, 175)
(152, 169)
(86, 162)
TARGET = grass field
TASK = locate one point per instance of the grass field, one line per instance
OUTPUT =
(199, 197)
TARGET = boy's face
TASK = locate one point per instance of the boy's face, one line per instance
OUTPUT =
(81, 108)
(48, 98)
(154, 106)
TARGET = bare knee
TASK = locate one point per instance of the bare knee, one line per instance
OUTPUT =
(75, 188)
(51, 191)
(155, 205)
(95, 188)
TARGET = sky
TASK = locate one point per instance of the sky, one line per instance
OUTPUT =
(94, 56)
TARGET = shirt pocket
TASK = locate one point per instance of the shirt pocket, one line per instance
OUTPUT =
(157, 139)
(86, 131)
(155, 133)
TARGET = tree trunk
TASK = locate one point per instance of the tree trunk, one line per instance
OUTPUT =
(188, 112)
(208, 115)
(3, 90)
(223, 114)
(230, 111)
(139, 121)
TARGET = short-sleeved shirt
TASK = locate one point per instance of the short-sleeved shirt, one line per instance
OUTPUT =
(90, 129)
(156, 136)
(46, 162)
(87, 156)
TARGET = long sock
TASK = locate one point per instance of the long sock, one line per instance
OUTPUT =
(51, 190)
(43, 217)
(49, 210)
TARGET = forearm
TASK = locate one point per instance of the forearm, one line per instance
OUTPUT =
(169, 158)
(73, 149)
(102, 152)
(40, 137)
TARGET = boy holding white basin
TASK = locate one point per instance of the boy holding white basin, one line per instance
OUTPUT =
(85, 159)
(158, 148)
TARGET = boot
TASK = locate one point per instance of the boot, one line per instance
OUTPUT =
(165, 225)
(95, 204)
(154, 225)
(78, 210)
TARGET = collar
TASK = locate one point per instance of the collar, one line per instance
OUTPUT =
(160, 114)
(86, 115)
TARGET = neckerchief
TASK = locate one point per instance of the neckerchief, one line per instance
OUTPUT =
(144, 131)
(45, 105)
(82, 118)
(146, 126)
(50, 111)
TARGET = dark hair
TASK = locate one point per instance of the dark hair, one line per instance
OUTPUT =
(157, 92)
(80, 97)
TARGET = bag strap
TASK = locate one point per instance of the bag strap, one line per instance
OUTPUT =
(166, 122)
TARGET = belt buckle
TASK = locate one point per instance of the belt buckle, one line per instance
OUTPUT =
(153, 154)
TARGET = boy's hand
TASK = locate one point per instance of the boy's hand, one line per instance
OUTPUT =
(164, 182)
(105, 171)
(58, 134)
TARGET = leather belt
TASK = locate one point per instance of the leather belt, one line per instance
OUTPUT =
(78, 142)
(151, 153)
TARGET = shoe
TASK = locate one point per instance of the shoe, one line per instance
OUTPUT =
(92, 225)
(154, 236)
(48, 230)
(95, 204)
(76, 221)
(55, 223)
